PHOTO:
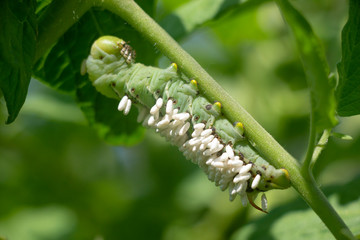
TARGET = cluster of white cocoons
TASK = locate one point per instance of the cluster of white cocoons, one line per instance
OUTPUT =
(201, 147)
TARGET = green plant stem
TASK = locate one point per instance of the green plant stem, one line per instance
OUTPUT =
(311, 146)
(264, 142)
(57, 19)
(319, 147)
(321, 206)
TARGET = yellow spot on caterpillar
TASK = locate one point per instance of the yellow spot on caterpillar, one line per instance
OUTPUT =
(240, 127)
(194, 85)
(174, 65)
(281, 181)
(286, 173)
(217, 108)
(217, 104)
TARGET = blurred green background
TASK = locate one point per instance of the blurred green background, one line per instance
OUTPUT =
(59, 180)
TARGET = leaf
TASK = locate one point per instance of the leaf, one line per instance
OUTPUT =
(348, 91)
(41, 6)
(287, 221)
(312, 55)
(341, 136)
(195, 13)
(17, 50)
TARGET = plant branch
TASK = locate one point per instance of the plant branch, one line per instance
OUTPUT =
(264, 142)
(311, 146)
(319, 147)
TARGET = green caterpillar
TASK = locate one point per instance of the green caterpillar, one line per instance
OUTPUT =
(171, 104)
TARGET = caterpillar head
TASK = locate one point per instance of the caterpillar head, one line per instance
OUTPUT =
(109, 55)
(106, 45)
(110, 45)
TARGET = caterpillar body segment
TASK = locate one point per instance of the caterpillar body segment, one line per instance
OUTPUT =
(171, 104)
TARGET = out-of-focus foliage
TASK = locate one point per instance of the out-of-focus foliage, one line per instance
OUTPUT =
(321, 86)
(295, 221)
(349, 68)
(58, 180)
(184, 19)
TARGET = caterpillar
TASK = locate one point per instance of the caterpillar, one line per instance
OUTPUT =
(172, 104)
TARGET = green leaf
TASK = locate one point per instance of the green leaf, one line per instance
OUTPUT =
(17, 50)
(195, 13)
(296, 221)
(348, 91)
(312, 55)
(41, 6)
(341, 136)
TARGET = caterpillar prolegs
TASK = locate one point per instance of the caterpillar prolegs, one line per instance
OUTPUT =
(171, 104)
